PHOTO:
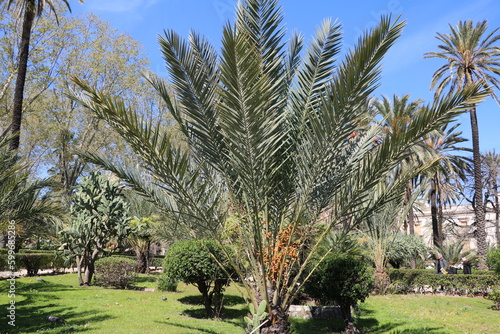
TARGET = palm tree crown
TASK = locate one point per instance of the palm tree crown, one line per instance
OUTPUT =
(470, 57)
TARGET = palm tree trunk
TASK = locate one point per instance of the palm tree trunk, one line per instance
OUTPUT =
(17, 111)
(478, 192)
(436, 237)
(497, 211)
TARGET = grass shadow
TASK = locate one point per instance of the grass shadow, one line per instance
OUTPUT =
(151, 278)
(229, 312)
(31, 319)
(196, 329)
(229, 300)
(425, 330)
(191, 300)
(40, 299)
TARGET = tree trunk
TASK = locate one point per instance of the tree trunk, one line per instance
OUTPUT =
(349, 323)
(436, 237)
(411, 219)
(218, 297)
(440, 216)
(382, 281)
(478, 193)
(143, 261)
(90, 268)
(207, 298)
(17, 111)
(79, 261)
(497, 210)
(276, 322)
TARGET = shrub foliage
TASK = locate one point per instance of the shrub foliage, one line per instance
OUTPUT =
(493, 260)
(198, 262)
(341, 280)
(115, 271)
(426, 281)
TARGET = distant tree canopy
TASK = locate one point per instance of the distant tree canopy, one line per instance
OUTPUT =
(54, 126)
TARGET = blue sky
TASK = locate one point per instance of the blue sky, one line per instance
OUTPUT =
(405, 69)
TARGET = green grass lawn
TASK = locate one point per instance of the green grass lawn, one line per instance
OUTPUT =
(98, 310)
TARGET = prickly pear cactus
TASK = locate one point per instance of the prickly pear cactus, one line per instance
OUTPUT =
(257, 317)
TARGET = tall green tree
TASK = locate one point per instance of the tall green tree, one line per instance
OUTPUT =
(29, 9)
(268, 135)
(54, 127)
(470, 56)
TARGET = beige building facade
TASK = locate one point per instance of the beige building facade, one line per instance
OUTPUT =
(458, 226)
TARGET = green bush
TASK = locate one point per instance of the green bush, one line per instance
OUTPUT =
(493, 260)
(494, 295)
(115, 271)
(342, 280)
(193, 262)
(423, 281)
(167, 283)
(33, 262)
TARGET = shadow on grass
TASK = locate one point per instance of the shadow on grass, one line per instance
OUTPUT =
(367, 325)
(227, 313)
(183, 325)
(40, 301)
(229, 300)
(151, 278)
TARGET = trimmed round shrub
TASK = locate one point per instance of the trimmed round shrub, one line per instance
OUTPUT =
(167, 283)
(193, 262)
(342, 280)
(115, 271)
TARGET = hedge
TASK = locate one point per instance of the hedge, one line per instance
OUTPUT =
(35, 260)
(405, 281)
(115, 271)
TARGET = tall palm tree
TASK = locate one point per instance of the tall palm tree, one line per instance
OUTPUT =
(491, 163)
(445, 180)
(29, 9)
(470, 56)
(268, 130)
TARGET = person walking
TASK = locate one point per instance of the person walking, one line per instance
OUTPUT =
(441, 264)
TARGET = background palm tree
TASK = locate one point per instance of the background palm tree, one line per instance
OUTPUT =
(491, 165)
(397, 115)
(29, 9)
(445, 180)
(470, 56)
(21, 201)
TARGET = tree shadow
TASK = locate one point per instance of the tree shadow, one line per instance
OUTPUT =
(229, 300)
(191, 300)
(316, 326)
(194, 328)
(229, 312)
(151, 278)
(40, 301)
(366, 325)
